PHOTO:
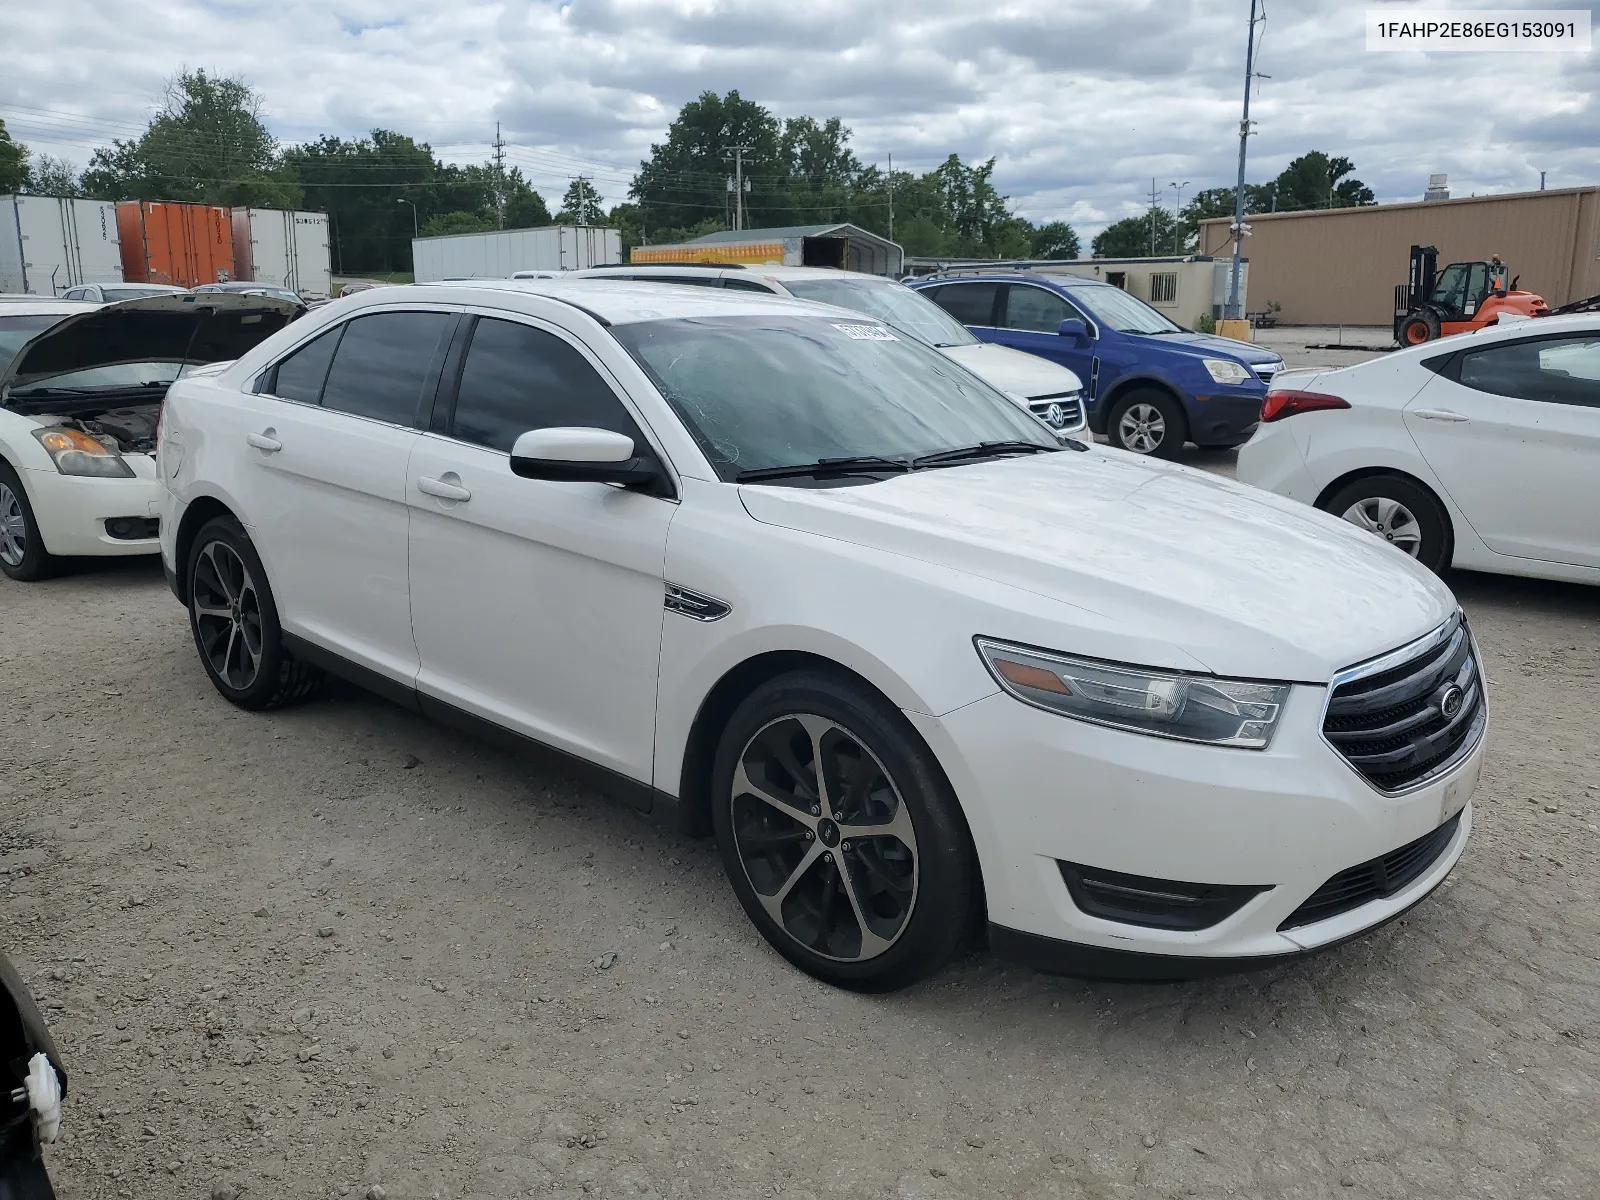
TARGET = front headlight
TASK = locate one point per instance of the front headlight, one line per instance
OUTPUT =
(76, 453)
(1191, 708)
(1224, 370)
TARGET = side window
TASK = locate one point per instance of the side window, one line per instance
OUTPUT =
(687, 280)
(76, 293)
(518, 378)
(1035, 310)
(382, 364)
(301, 375)
(969, 303)
(1478, 283)
(1548, 371)
(745, 285)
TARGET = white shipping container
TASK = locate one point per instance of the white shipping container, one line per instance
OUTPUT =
(500, 254)
(286, 249)
(51, 243)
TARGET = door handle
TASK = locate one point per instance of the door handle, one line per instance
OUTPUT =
(443, 490)
(264, 441)
(1438, 414)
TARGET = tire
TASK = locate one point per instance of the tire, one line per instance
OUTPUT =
(235, 622)
(1419, 327)
(22, 553)
(1400, 510)
(1146, 421)
(917, 881)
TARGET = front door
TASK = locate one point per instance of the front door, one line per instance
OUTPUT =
(324, 451)
(536, 605)
(1513, 432)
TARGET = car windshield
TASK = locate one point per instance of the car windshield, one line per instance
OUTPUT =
(908, 311)
(770, 391)
(112, 376)
(1124, 313)
(15, 332)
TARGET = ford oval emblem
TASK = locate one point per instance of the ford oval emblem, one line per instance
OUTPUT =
(1450, 701)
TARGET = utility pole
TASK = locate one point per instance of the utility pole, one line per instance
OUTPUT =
(1177, 216)
(1152, 216)
(499, 178)
(891, 194)
(739, 187)
(1234, 312)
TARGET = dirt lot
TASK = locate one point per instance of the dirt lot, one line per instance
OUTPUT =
(338, 951)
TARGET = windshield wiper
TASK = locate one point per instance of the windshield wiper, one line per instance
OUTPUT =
(979, 451)
(857, 464)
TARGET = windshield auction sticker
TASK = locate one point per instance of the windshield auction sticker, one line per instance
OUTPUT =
(1548, 30)
(866, 333)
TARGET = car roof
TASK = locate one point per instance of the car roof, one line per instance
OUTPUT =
(615, 301)
(765, 271)
(1071, 281)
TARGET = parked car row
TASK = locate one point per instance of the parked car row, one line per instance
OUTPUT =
(790, 575)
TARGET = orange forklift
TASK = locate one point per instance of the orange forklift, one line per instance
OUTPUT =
(1462, 297)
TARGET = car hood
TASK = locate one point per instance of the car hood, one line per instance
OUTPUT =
(1230, 579)
(1013, 371)
(1210, 343)
(178, 327)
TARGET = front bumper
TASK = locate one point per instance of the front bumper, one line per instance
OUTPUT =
(1040, 790)
(72, 510)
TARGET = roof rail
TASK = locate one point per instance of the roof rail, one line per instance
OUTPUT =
(710, 266)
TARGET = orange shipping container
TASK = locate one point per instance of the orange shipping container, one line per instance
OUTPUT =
(181, 244)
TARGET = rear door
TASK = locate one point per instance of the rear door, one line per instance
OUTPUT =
(1513, 432)
(537, 605)
(324, 454)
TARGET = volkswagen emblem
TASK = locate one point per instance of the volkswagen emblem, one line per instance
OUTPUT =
(1451, 698)
(1056, 415)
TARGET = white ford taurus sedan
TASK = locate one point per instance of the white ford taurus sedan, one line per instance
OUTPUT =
(779, 572)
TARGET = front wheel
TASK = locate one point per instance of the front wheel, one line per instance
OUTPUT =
(1418, 328)
(841, 835)
(1400, 511)
(235, 622)
(1147, 422)
(22, 553)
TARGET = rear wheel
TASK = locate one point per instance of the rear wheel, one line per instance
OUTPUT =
(22, 553)
(235, 622)
(1402, 512)
(840, 834)
(1419, 327)
(1147, 422)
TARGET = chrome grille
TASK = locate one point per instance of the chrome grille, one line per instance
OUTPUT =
(1409, 716)
(1063, 412)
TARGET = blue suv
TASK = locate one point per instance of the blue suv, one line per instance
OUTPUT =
(1150, 385)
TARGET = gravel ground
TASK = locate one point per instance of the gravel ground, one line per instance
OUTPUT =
(339, 951)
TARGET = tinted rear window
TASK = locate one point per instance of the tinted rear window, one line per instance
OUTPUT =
(382, 364)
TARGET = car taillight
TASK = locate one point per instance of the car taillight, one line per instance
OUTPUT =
(1285, 403)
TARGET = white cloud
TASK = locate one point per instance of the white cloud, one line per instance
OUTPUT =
(1080, 102)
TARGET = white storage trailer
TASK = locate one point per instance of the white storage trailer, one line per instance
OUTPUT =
(286, 249)
(51, 243)
(501, 254)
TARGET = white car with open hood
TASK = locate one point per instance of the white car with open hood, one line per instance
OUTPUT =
(783, 573)
(80, 395)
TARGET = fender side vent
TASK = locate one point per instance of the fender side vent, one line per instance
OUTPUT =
(694, 605)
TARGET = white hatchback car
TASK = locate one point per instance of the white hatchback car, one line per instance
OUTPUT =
(1051, 392)
(80, 395)
(1479, 451)
(781, 572)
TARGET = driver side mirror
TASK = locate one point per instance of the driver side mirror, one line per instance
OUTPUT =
(1073, 328)
(583, 455)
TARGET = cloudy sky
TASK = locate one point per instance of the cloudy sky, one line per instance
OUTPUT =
(1081, 102)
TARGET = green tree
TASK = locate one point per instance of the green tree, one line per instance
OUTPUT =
(53, 177)
(208, 145)
(524, 207)
(13, 162)
(684, 181)
(1131, 236)
(457, 222)
(1315, 180)
(1056, 239)
(581, 205)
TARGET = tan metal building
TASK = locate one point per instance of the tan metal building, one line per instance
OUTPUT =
(1340, 266)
